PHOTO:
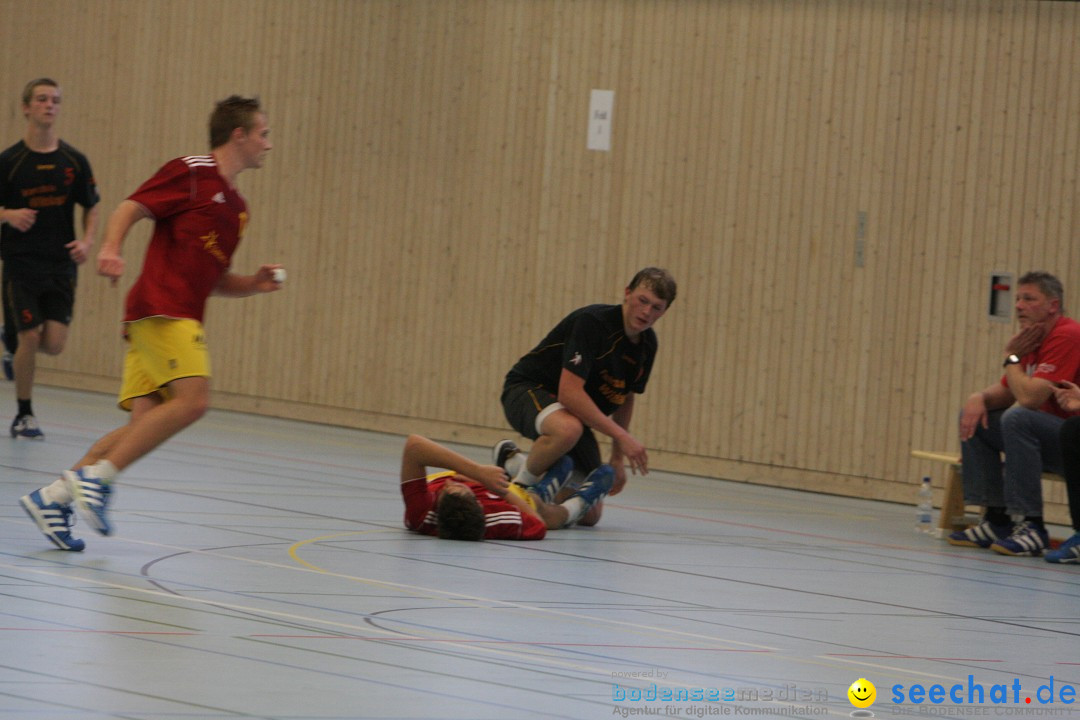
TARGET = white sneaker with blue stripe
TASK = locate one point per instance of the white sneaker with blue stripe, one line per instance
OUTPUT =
(595, 488)
(91, 495)
(982, 535)
(53, 519)
(554, 479)
(26, 426)
(1027, 539)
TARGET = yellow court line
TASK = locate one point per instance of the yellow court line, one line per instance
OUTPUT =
(432, 593)
(900, 671)
(435, 594)
(355, 629)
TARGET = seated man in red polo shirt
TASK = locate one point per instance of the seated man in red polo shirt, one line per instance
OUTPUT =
(473, 502)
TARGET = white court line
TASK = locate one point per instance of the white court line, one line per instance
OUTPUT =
(432, 593)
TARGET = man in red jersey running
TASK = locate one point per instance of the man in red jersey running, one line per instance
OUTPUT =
(199, 217)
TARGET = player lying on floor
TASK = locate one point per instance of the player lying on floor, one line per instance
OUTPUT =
(470, 501)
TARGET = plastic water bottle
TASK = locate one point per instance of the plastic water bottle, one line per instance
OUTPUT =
(924, 509)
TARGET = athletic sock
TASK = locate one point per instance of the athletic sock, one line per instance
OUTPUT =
(104, 471)
(60, 492)
(57, 492)
(526, 478)
(575, 507)
(25, 408)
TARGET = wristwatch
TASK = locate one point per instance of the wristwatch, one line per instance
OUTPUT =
(1011, 360)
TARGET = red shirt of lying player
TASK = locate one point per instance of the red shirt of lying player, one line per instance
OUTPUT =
(441, 503)
(460, 506)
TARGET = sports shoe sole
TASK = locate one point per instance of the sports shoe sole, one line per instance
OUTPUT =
(21, 436)
(1024, 552)
(966, 543)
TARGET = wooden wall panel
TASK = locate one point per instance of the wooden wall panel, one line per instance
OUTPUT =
(433, 199)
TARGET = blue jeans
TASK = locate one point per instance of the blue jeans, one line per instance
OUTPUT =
(1029, 439)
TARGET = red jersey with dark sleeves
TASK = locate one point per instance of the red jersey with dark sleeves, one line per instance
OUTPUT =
(198, 222)
(503, 520)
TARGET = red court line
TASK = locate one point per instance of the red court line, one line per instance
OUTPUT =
(915, 657)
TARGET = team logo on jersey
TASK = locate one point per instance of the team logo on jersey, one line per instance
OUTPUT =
(210, 245)
(219, 197)
(576, 360)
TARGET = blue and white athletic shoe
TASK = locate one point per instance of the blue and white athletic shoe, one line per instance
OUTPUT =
(595, 488)
(1026, 539)
(982, 535)
(53, 519)
(1066, 552)
(25, 426)
(554, 479)
(91, 497)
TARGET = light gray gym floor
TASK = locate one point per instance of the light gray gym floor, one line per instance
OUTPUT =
(260, 570)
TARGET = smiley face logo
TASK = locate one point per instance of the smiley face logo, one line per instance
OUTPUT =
(862, 693)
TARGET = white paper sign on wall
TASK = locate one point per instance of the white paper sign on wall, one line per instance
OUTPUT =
(601, 103)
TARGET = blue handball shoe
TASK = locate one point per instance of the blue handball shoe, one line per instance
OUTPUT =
(26, 426)
(554, 479)
(595, 488)
(1066, 552)
(982, 535)
(53, 519)
(1026, 540)
(91, 495)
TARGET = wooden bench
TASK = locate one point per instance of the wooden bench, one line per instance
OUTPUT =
(952, 516)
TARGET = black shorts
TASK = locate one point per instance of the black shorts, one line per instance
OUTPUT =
(524, 402)
(29, 302)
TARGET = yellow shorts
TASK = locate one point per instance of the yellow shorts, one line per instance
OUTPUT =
(524, 494)
(160, 350)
